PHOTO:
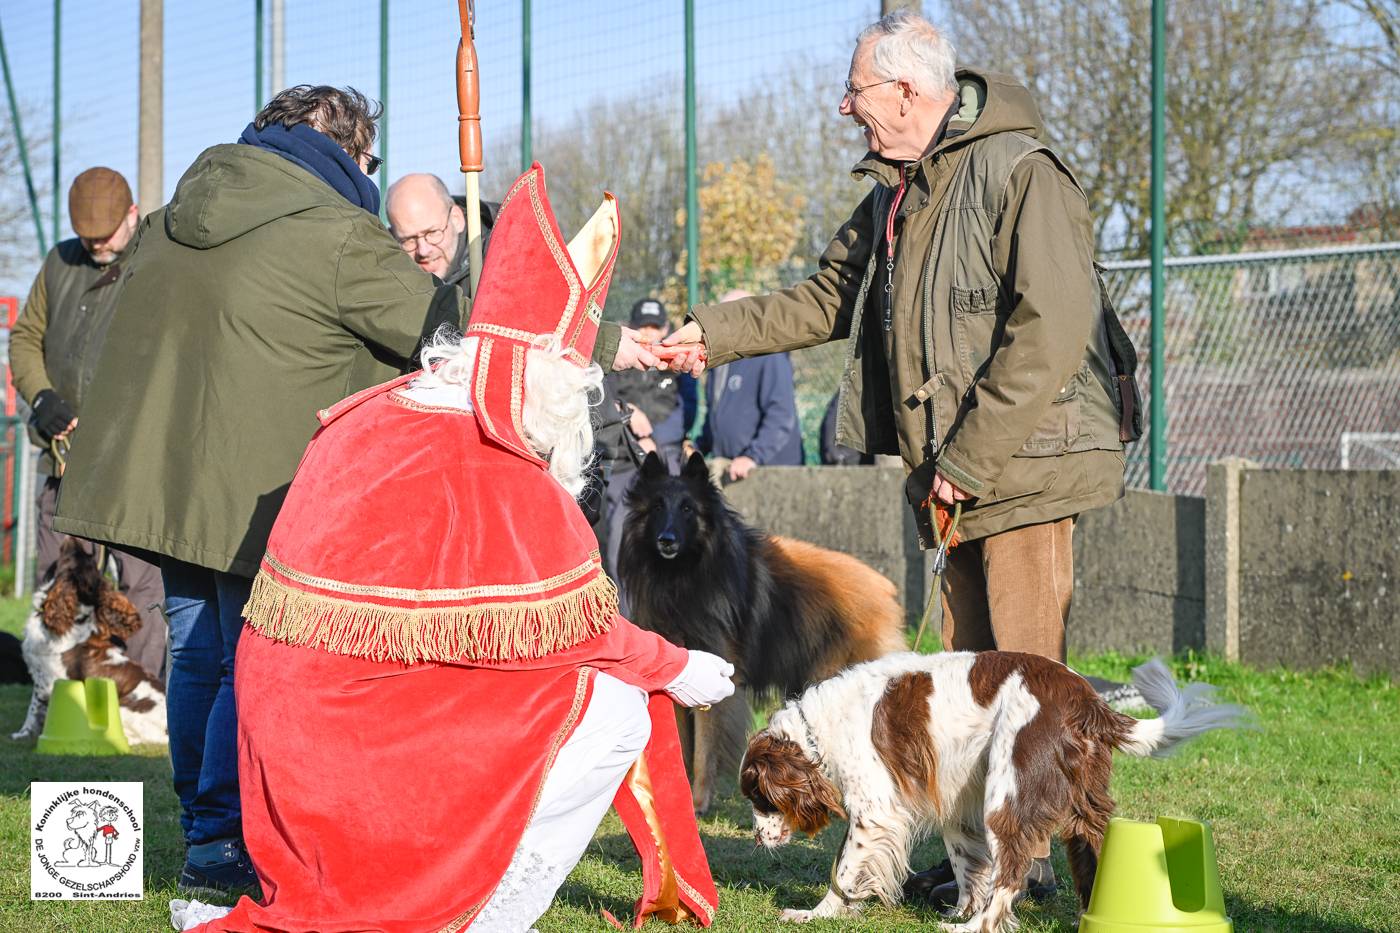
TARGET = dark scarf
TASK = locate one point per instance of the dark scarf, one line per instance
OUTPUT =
(319, 155)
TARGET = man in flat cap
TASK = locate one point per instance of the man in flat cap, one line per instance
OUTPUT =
(53, 354)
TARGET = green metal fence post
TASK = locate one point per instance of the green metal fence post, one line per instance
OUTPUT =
(384, 103)
(57, 94)
(692, 195)
(1157, 438)
(257, 55)
(527, 147)
(23, 149)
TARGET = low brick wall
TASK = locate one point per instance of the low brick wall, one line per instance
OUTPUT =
(857, 510)
(1273, 567)
(1140, 576)
(1319, 568)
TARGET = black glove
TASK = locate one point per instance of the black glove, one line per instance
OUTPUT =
(52, 416)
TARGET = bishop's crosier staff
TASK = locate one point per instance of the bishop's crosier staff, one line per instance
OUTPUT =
(469, 136)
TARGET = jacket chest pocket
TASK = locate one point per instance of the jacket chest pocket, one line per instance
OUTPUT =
(975, 325)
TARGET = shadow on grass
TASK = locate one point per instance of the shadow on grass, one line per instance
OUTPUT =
(1251, 916)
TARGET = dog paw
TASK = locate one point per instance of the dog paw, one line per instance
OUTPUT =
(795, 916)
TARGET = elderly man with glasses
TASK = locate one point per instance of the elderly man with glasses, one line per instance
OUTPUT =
(431, 226)
(980, 348)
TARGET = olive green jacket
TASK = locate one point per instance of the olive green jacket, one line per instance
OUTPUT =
(990, 362)
(255, 298)
(59, 332)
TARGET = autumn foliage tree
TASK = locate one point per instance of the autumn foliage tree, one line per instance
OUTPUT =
(751, 223)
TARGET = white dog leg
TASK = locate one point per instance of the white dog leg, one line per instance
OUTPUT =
(829, 906)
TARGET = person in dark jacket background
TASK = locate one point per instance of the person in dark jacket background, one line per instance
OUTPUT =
(652, 407)
(834, 454)
(750, 414)
(53, 354)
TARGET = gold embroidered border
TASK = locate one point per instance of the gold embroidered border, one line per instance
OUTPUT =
(517, 389)
(514, 190)
(397, 396)
(561, 258)
(448, 635)
(499, 330)
(695, 897)
(580, 691)
(484, 591)
(483, 374)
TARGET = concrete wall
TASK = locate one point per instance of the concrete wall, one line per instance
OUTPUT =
(858, 510)
(1318, 568)
(1140, 576)
(1273, 567)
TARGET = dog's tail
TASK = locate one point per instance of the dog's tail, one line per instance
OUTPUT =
(1186, 712)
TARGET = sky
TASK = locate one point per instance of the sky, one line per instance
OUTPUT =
(580, 52)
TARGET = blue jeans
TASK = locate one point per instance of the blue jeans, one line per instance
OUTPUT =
(205, 609)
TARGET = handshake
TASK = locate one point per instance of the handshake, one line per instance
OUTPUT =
(683, 351)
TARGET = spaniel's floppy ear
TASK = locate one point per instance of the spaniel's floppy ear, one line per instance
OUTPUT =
(59, 610)
(778, 776)
(117, 616)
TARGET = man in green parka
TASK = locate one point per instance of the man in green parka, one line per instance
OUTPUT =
(266, 290)
(965, 290)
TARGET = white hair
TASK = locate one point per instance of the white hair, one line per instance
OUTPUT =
(559, 395)
(905, 45)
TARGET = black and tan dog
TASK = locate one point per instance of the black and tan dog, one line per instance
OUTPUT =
(785, 612)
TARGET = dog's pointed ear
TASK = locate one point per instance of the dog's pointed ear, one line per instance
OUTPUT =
(696, 468)
(653, 467)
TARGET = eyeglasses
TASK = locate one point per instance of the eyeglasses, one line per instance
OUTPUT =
(433, 237)
(375, 162)
(852, 90)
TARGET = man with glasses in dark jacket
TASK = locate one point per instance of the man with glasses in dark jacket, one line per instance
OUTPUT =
(431, 226)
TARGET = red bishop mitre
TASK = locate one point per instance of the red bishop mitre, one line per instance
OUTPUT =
(415, 532)
(533, 286)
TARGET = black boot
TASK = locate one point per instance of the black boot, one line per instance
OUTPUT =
(918, 885)
(1040, 882)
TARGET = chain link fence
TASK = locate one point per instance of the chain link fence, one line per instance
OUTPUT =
(1275, 357)
(1270, 355)
(1288, 359)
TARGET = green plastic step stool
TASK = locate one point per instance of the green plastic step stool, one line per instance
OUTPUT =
(84, 719)
(1157, 877)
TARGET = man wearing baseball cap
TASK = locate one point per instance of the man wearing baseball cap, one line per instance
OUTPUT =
(653, 404)
(53, 354)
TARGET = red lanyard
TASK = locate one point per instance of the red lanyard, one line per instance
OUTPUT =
(889, 252)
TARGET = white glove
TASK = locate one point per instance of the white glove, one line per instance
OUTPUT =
(706, 680)
(186, 915)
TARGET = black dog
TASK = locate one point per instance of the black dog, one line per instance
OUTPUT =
(786, 613)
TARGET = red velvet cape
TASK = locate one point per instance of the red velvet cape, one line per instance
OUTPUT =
(421, 641)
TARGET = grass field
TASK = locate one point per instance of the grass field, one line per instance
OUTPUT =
(1305, 810)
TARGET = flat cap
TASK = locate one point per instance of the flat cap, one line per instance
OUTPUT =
(97, 202)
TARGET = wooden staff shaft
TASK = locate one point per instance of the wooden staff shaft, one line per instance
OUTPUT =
(469, 140)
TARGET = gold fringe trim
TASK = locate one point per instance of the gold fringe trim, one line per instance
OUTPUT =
(497, 632)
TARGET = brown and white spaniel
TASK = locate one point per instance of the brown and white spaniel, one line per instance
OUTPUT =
(997, 751)
(78, 629)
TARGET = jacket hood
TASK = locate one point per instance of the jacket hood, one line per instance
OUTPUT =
(232, 189)
(988, 103)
